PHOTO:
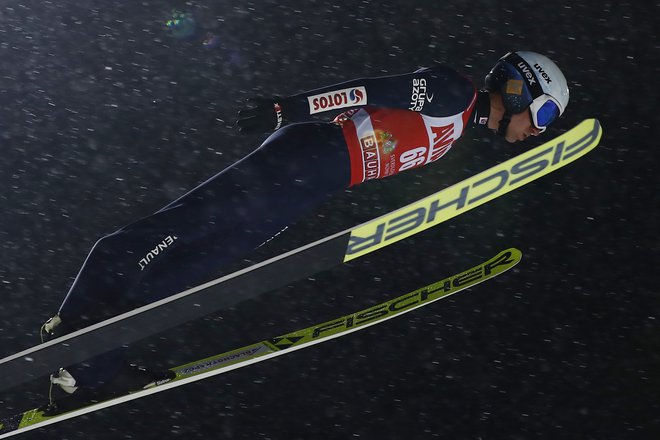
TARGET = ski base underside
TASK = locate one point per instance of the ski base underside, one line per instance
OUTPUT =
(267, 349)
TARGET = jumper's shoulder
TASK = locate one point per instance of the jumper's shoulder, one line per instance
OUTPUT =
(446, 72)
(446, 91)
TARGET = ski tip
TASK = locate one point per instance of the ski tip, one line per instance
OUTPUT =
(516, 254)
(503, 261)
(593, 126)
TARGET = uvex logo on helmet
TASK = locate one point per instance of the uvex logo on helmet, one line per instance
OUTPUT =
(527, 72)
(543, 73)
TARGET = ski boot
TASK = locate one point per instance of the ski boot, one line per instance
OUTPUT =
(48, 329)
(65, 394)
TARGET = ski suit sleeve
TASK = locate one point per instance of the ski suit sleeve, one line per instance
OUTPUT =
(434, 91)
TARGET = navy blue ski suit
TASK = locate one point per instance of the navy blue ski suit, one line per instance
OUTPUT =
(295, 170)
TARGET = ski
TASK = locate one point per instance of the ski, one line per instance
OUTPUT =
(277, 346)
(302, 262)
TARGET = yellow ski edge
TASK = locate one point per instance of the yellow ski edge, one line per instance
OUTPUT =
(289, 342)
(474, 191)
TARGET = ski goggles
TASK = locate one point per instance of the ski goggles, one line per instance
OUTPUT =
(544, 110)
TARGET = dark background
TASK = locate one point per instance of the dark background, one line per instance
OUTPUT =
(105, 116)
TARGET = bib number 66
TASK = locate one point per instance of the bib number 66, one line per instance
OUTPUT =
(412, 158)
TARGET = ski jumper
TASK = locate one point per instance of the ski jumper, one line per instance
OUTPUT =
(388, 125)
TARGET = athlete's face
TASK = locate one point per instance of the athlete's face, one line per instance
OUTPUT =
(521, 127)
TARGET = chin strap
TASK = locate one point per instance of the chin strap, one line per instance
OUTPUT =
(504, 123)
(481, 111)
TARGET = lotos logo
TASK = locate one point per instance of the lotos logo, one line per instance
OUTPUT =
(356, 95)
(337, 99)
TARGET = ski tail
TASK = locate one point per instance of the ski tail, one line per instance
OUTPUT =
(287, 343)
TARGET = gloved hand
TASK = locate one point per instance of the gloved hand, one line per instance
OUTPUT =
(262, 115)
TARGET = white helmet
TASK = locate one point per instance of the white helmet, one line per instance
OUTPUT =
(530, 80)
